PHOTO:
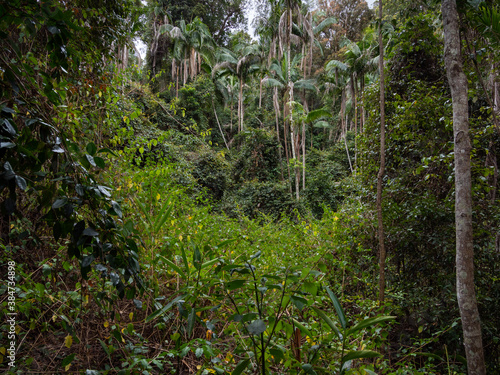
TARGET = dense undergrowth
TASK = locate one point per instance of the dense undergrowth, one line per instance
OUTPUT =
(222, 289)
(137, 239)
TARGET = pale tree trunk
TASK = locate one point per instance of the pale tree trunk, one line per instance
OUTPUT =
(177, 82)
(260, 94)
(277, 114)
(466, 295)
(290, 85)
(231, 110)
(306, 108)
(242, 110)
(381, 171)
(355, 93)
(303, 156)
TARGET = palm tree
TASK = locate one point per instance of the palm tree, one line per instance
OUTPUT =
(283, 81)
(242, 63)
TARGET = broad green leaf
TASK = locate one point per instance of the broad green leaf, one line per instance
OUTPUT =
(59, 203)
(369, 322)
(197, 258)
(328, 321)
(198, 352)
(90, 232)
(185, 351)
(242, 365)
(303, 329)
(299, 302)
(100, 162)
(67, 360)
(277, 354)
(235, 284)
(91, 160)
(21, 182)
(91, 148)
(310, 287)
(209, 263)
(116, 207)
(338, 307)
(308, 369)
(360, 354)
(174, 266)
(256, 327)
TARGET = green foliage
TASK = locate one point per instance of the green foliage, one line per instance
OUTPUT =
(211, 171)
(256, 156)
(323, 186)
(253, 199)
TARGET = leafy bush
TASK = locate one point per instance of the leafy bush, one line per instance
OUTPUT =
(254, 199)
(257, 156)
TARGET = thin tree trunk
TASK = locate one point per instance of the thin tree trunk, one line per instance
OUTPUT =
(381, 172)
(276, 113)
(303, 156)
(290, 85)
(355, 92)
(218, 123)
(466, 296)
(231, 110)
(260, 94)
(240, 107)
(347, 151)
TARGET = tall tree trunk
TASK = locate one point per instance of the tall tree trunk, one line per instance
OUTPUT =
(290, 85)
(260, 94)
(303, 156)
(466, 295)
(277, 114)
(355, 92)
(240, 106)
(381, 171)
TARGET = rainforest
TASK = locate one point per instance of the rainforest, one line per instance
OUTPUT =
(249, 187)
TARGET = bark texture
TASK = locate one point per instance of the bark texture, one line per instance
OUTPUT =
(463, 192)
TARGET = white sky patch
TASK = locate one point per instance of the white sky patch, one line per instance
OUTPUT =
(141, 47)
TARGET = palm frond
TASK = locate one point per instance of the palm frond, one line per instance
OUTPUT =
(271, 82)
(317, 114)
(306, 84)
(324, 24)
(336, 64)
(322, 124)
